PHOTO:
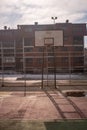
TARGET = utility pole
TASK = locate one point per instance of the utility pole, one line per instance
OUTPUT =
(70, 68)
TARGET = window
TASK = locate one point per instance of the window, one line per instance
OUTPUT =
(62, 48)
(40, 49)
(29, 60)
(65, 59)
(8, 44)
(9, 59)
(78, 29)
(8, 54)
(51, 59)
(28, 42)
(28, 49)
(78, 59)
(77, 48)
(19, 50)
(78, 40)
(50, 54)
(9, 68)
(66, 38)
(8, 51)
(51, 49)
(40, 60)
(21, 60)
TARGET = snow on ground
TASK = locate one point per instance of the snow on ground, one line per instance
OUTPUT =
(39, 77)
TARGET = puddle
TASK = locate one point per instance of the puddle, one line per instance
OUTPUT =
(75, 94)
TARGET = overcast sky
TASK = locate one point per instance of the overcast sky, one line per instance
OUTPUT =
(13, 12)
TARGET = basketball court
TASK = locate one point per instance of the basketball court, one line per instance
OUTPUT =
(46, 96)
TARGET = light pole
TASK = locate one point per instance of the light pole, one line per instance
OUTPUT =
(54, 18)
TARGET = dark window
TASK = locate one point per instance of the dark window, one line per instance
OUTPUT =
(50, 54)
(50, 59)
(19, 60)
(65, 38)
(28, 42)
(7, 33)
(9, 68)
(78, 29)
(40, 60)
(9, 59)
(78, 48)
(19, 50)
(40, 49)
(78, 40)
(78, 59)
(50, 49)
(9, 54)
(8, 44)
(29, 60)
(65, 59)
(63, 48)
(8, 51)
(28, 49)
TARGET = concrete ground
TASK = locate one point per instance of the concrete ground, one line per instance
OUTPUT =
(41, 105)
(48, 104)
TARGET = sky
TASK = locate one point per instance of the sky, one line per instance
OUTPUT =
(14, 12)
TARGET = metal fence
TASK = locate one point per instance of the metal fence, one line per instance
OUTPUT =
(41, 68)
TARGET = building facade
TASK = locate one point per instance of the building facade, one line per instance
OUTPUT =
(85, 59)
(43, 48)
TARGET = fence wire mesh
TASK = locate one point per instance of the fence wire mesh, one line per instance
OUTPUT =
(24, 67)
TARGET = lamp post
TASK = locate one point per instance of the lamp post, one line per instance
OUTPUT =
(54, 18)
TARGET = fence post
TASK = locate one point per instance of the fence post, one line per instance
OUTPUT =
(69, 67)
(42, 68)
(24, 70)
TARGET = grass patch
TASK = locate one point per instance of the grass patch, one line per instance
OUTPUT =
(67, 125)
(36, 125)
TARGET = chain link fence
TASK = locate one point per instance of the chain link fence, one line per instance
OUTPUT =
(23, 67)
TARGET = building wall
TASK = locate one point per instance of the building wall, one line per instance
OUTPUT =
(85, 59)
(19, 52)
